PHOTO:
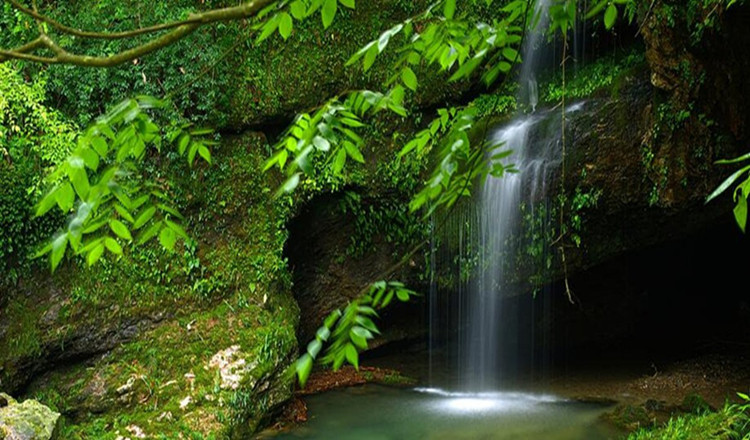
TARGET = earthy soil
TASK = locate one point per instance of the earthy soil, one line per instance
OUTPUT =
(715, 377)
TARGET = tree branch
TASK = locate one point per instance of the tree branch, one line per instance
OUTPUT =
(179, 30)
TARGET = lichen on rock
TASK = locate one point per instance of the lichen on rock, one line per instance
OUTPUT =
(29, 420)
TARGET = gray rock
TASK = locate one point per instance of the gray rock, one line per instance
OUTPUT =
(29, 420)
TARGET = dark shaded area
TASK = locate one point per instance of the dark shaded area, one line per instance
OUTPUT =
(674, 300)
(633, 315)
(327, 275)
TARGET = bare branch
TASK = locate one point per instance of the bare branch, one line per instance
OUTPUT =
(22, 52)
(194, 18)
(178, 31)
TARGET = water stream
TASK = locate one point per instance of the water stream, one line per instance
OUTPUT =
(482, 343)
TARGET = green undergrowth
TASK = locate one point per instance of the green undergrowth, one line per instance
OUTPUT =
(230, 84)
(33, 138)
(732, 422)
(603, 76)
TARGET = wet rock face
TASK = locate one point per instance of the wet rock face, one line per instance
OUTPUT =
(29, 420)
(327, 276)
(703, 59)
(699, 65)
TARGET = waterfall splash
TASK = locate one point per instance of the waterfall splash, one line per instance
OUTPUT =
(475, 260)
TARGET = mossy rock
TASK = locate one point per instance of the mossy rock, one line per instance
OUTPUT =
(213, 373)
(29, 420)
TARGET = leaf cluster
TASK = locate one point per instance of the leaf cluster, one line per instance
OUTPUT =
(347, 331)
(101, 185)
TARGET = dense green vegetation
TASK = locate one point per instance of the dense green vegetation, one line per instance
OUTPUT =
(166, 184)
(730, 422)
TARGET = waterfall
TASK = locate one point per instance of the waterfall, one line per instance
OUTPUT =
(533, 94)
(487, 339)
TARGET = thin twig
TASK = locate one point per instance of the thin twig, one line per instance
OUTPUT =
(568, 292)
(178, 31)
(646, 17)
(196, 18)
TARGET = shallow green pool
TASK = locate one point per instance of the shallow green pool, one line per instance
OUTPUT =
(374, 412)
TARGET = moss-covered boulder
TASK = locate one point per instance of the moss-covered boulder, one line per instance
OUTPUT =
(194, 341)
(29, 420)
(215, 373)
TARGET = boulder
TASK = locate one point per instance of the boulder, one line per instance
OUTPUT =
(29, 420)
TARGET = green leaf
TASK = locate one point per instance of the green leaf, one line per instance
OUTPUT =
(170, 210)
(313, 348)
(449, 9)
(290, 184)
(368, 324)
(167, 238)
(90, 158)
(268, 29)
(323, 333)
(727, 183)
(47, 202)
(100, 145)
(304, 367)
(510, 54)
(120, 230)
(298, 9)
(740, 211)
(351, 355)
(742, 158)
(321, 143)
(59, 245)
(177, 229)
(95, 254)
(353, 152)
(113, 245)
(285, 25)
(205, 153)
(362, 332)
(182, 143)
(596, 9)
(329, 12)
(65, 197)
(80, 182)
(409, 78)
(610, 16)
(370, 56)
(339, 162)
(192, 151)
(332, 318)
(124, 213)
(388, 299)
(358, 340)
(146, 102)
(402, 295)
(347, 3)
(144, 217)
(150, 233)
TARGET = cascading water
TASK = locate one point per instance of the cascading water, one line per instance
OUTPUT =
(477, 253)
